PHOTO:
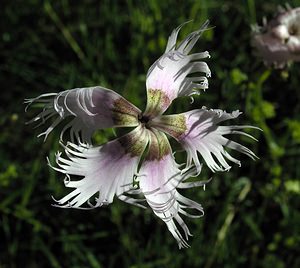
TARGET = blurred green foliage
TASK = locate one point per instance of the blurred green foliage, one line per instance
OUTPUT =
(252, 213)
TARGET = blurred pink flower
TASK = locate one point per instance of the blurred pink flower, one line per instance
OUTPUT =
(278, 42)
(142, 162)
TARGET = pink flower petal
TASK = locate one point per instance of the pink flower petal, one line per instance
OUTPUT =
(91, 108)
(108, 169)
(198, 132)
(167, 77)
(159, 177)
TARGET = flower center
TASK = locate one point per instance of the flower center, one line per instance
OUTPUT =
(293, 30)
(144, 119)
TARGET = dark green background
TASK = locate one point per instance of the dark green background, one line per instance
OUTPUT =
(252, 213)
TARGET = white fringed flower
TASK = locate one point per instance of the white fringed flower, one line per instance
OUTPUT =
(278, 42)
(141, 162)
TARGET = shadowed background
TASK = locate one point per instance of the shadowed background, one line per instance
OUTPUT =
(252, 213)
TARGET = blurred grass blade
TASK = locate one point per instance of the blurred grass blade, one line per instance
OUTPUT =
(65, 31)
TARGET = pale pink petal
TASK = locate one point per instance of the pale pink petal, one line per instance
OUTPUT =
(199, 132)
(91, 109)
(159, 177)
(167, 77)
(108, 170)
